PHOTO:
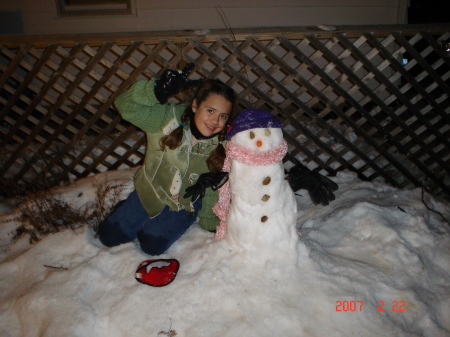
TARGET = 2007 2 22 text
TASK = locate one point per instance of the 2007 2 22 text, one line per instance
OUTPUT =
(358, 306)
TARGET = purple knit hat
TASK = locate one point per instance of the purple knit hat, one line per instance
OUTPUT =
(252, 119)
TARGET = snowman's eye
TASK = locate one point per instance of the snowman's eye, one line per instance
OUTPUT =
(252, 135)
(267, 132)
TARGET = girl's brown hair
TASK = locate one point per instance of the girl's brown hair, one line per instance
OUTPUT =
(207, 87)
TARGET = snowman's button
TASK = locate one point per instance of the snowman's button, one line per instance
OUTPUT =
(265, 197)
(266, 181)
(264, 218)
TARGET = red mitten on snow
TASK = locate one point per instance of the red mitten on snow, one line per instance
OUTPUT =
(157, 273)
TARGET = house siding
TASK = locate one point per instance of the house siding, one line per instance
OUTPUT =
(40, 16)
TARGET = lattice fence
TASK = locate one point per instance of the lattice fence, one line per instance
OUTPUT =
(375, 102)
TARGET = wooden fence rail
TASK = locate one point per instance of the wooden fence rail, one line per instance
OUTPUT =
(372, 100)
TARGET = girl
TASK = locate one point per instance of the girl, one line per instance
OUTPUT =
(184, 142)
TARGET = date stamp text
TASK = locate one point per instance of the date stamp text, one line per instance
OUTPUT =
(359, 305)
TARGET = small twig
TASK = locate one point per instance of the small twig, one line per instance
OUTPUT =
(240, 58)
(169, 333)
(59, 268)
(226, 22)
(401, 209)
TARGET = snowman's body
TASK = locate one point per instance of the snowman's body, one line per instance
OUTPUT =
(263, 209)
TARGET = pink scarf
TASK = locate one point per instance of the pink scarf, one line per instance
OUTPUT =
(248, 157)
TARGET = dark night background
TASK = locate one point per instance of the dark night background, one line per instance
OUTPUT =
(429, 11)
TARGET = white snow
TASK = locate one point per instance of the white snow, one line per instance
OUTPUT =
(373, 248)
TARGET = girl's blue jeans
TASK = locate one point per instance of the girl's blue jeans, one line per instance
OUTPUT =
(129, 220)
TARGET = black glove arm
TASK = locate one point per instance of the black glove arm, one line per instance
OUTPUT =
(210, 179)
(172, 82)
(317, 185)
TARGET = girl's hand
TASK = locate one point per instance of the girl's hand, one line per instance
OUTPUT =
(205, 180)
(172, 82)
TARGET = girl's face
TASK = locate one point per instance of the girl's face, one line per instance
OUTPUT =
(212, 114)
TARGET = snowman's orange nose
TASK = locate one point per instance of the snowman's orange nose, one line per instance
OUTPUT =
(259, 143)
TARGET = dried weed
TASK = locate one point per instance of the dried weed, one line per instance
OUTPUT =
(41, 213)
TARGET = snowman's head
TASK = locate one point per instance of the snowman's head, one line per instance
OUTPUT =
(259, 139)
(256, 129)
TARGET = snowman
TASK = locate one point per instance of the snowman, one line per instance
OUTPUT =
(257, 207)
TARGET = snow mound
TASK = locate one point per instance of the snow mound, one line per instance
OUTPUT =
(376, 261)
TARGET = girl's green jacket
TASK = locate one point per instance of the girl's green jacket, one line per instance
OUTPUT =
(169, 172)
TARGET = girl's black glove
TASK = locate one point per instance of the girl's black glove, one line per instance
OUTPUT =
(205, 180)
(317, 185)
(172, 82)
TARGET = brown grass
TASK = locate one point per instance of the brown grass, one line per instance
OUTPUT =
(41, 213)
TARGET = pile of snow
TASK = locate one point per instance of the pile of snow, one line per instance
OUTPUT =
(376, 261)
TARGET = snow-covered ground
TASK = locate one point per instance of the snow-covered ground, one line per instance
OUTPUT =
(375, 262)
